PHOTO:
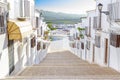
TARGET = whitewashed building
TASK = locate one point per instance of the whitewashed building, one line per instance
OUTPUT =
(110, 40)
(18, 35)
(4, 64)
(21, 34)
(102, 39)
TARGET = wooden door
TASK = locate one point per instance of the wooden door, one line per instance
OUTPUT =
(106, 51)
(11, 55)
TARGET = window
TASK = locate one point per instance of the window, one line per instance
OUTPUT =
(88, 45)
(94, 22)
(33, 42)
(97, 41)
(74, 36)
(82, 45)
(89, 26)
(86, 31)
(37, 22)
(38, 46)
(78, 45)
(41, 30)
(114, 11)
(71, 38)
(115, 40)
(3, 20)
(44, 46)
(25, 8)
(73, 45)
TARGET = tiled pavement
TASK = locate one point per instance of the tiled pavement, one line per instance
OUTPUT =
(65, 65)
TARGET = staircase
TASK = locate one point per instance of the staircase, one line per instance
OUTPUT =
(64, 65)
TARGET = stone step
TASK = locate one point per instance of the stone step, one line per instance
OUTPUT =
(85, 77)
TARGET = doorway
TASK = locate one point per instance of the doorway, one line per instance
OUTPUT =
(93, 59)
(11, 55)
(106, 51)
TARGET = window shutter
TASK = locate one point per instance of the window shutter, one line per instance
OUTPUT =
(37, 22)
(3, 20)
(26, 8)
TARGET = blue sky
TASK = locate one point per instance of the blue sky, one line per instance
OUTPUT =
(66, 6)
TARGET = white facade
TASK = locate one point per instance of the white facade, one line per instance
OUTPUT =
(17, 54)
(109, 26)
(4, 44)
(101, 43)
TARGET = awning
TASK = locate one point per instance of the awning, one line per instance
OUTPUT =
(13, 31)
(17, 30)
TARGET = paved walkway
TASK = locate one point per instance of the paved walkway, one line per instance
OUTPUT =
(65, 65)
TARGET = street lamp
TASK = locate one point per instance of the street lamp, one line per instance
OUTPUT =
(100, 15)
(100, 6)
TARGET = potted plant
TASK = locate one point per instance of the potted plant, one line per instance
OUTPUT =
(46, 35)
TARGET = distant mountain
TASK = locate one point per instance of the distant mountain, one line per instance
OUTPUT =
(61, 18)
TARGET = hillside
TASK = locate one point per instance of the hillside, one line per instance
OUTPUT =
(61, 18)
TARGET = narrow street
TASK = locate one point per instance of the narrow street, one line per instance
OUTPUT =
(65, 65)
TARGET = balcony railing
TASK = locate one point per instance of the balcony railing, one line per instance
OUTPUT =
(114, 11)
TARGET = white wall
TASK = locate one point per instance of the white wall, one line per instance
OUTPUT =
(59, 45)
(115, 58)
(4, 64)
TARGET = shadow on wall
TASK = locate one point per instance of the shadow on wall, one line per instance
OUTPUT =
(5, 42)
(4, 45)
(19, 51)
(18, 66)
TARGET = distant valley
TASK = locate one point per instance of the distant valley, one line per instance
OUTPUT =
(61, 18)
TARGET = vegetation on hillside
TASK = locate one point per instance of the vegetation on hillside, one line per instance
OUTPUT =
(61, 18)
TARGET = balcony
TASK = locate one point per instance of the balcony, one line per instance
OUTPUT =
(114, 11)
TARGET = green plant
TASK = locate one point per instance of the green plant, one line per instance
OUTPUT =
(51, 27)
(80, 32)
(81, 36)
(80, 29)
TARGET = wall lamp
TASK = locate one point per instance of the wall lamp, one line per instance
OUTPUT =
(100, 6)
